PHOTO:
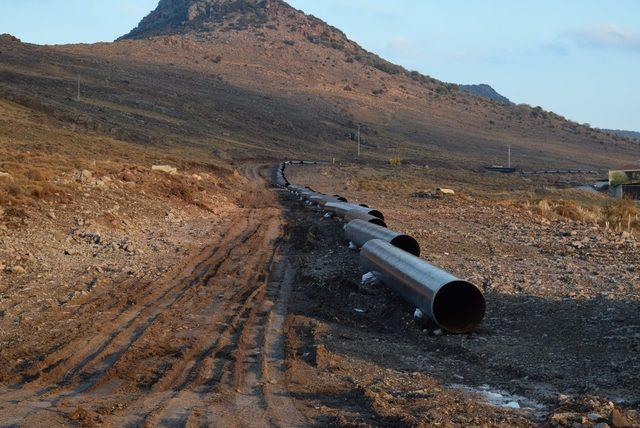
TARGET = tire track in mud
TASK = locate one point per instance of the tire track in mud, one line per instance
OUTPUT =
(225, 307)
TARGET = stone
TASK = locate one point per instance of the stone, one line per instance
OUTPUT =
(128, 176)
(563, 418)
(5, 176)
(447, 192)
(165, 168)
(85, 176)
(51, 215)
(593, 417)
(18, 270)
(618, 419)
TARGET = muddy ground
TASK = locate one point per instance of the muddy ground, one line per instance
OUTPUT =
(263, 323)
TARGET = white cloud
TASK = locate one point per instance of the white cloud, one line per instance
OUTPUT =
(604, 36)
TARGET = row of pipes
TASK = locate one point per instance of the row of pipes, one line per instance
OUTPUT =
(455, 305)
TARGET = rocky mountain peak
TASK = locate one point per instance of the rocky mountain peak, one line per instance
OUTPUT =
(181, 16)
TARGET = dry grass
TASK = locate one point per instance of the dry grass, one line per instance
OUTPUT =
(617, 215)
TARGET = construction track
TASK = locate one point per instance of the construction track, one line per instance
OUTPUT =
(201, 346)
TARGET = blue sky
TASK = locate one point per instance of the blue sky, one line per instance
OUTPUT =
(579, 58)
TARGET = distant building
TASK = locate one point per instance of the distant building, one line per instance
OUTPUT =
(624, 182)
(627, 191)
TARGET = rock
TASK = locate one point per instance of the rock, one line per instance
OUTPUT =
(85, 176)
(51, 215)
(594, 417)
(564, 418)
(618, 419)
(128, 176)
(5, 176)
(70, 252)
(18, 270)
(445, 192)
(602, 425)
(165, 168)
(577, 244)
(438, 332)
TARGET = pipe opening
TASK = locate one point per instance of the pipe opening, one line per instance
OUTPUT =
(378, 221)
(376, 213)
(364, 205)
(406, 243)
(342, 199)
(459, 307)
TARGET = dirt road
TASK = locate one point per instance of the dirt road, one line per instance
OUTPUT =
(202, 345)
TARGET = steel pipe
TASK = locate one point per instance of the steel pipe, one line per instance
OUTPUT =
(358, 211)
(368, 218)
(322, 200)
(455, 305)
(360, 232)
(342, 208)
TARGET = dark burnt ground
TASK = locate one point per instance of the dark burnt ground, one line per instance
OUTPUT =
(357, 356)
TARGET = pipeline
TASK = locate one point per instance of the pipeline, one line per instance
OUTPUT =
(341, 209)
(360, 232)
(362, 215)
(455, 305)
(358, 211)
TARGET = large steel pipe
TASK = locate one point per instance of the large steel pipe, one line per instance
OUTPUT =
(455, 305)
(322, 200)
(342, 209)
(362, 215)
(358, 211)
(360, 232)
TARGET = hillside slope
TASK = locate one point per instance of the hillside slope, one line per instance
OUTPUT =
(254, 79)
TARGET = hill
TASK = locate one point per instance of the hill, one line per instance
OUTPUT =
(622, 133)
(246, 79)
(485, 91)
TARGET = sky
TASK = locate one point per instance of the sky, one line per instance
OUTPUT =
(578, 58)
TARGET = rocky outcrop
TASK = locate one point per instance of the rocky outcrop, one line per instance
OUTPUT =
(181, 16)
(485, 91)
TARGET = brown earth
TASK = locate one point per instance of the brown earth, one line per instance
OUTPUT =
(561, 331)
(136, 296)
(263, 322)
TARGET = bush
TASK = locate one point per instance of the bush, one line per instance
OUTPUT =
(15, 190)
(36, 175)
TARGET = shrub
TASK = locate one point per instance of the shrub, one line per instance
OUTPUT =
(14, 189)
(36, 175)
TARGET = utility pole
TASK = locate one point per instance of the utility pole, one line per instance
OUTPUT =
(358, 140)
(78, 94)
